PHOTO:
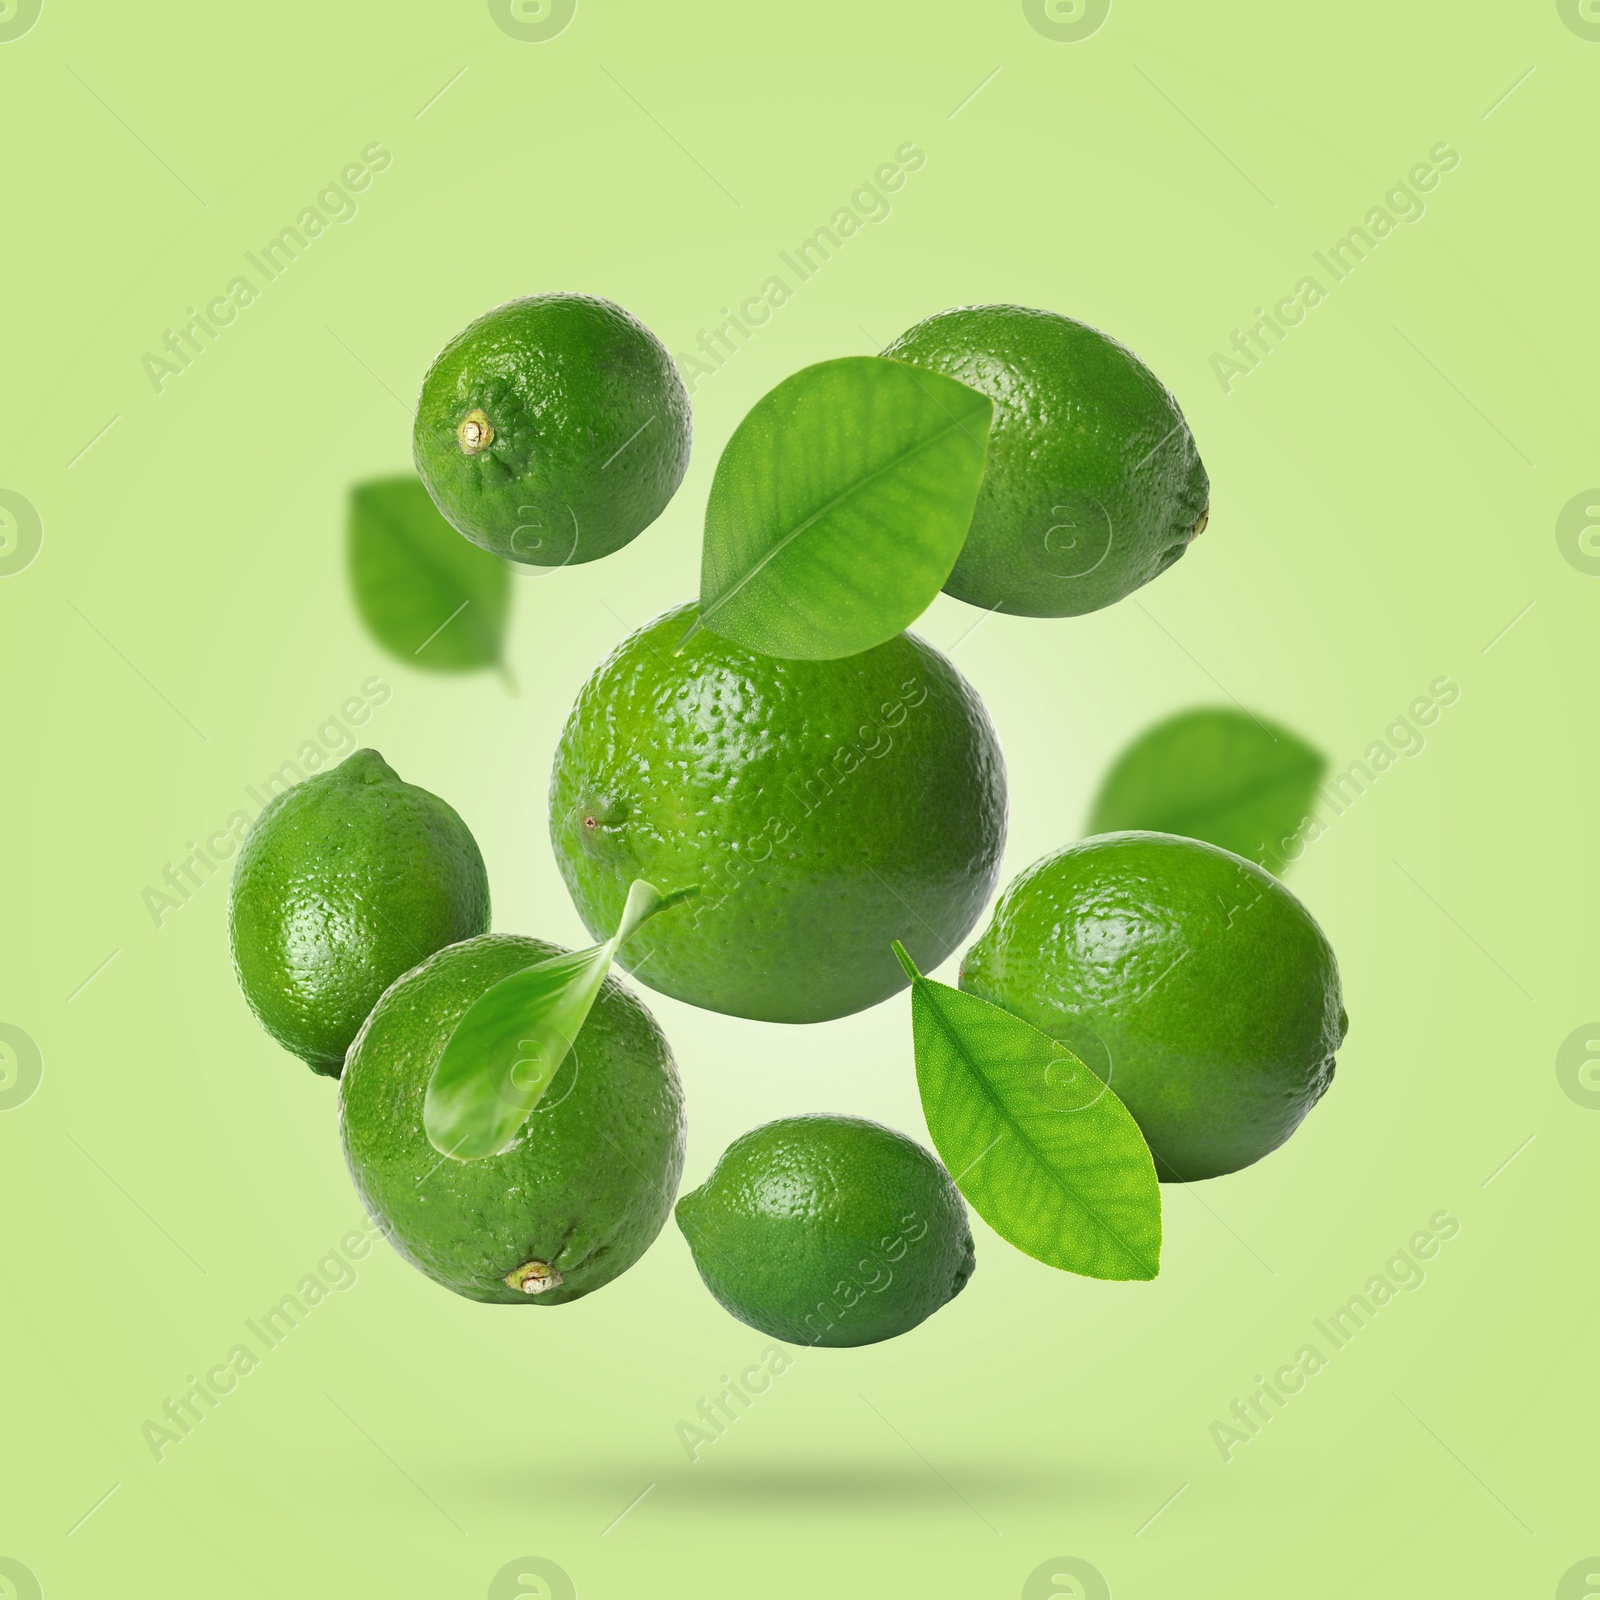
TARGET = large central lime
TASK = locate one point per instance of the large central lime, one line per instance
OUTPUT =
(825, 808)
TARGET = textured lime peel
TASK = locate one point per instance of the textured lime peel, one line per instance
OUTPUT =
(505, 1052)
(824, 806)
(1202, 987)
(590, 419)
(1080, 424)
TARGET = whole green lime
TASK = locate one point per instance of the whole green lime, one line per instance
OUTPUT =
(553, 430)
(581, 1192)
(1188, 978)
(829, 1230)
(345, 881)
(1094, 485)
(824, 807)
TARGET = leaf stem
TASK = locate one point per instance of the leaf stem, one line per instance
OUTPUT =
(905, 960)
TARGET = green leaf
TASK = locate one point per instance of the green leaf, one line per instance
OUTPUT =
(507, 1049)
(1215, 774)
(839, 507)
(1048, 1156)
(427, 595)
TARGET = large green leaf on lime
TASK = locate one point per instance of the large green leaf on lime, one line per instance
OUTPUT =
(1047, 1155)
(428, 596)
(839, 507)
(1215, 774)
(506, 1050)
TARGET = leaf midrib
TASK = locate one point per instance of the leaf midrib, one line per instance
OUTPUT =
(823, 510)
(1055, 1178)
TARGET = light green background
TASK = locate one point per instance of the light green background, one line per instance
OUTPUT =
(1387, 487)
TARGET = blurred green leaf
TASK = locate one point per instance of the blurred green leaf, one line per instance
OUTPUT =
(507, 1049)
(1049, 1157)
(839, 507)
(429, 596)
(1214, 774)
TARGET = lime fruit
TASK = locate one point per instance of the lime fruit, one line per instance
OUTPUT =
(824, 807)
(345, 881)
(829, 1230)
(553, 430)
(1094, 485)
(1186, 977)
(585, 1186)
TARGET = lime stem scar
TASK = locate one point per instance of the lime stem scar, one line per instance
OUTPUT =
(474, 433)
(1200, 526)
(534, 1277)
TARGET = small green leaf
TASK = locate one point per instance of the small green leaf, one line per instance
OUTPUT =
(1046, 1153)
(507, 1049)
(1214, 774)
(428, 596)
(840, 506)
